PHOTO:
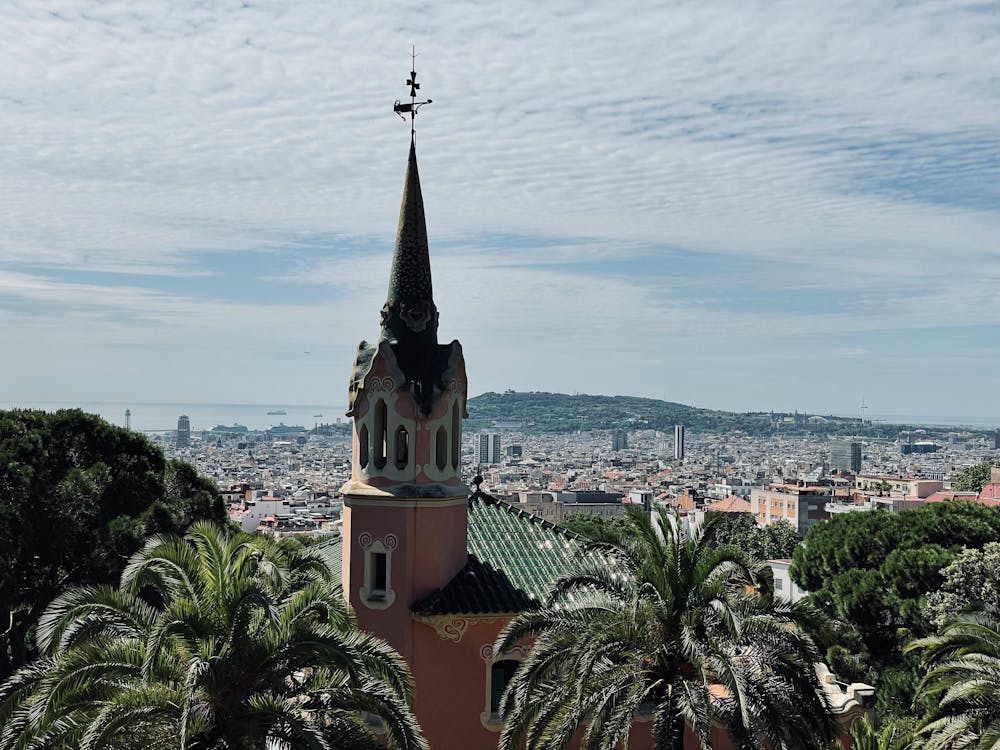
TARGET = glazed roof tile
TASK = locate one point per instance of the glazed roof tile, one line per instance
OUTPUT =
(514, 558)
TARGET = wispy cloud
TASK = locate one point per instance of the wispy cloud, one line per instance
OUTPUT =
(613, 190)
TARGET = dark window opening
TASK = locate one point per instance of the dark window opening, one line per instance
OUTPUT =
(363, 446)
(381, 414)
(441, 448)
(402, 448)
(380, 571)
(456, 437)
(500, 676)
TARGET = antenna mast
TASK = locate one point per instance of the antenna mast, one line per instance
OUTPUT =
(414, 106)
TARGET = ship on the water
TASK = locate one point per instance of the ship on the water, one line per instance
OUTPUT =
(277, 412)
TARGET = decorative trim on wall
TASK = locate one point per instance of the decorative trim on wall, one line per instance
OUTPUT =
(355, 501)
(451, 629)
(381, 384)
(518, 653)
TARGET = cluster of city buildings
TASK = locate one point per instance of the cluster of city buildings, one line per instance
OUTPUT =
(286, 480)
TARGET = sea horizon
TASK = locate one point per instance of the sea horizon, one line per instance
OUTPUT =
(160, 416)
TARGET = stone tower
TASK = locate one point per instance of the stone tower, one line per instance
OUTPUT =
(405, 506)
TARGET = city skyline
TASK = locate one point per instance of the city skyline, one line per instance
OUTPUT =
(742, 207)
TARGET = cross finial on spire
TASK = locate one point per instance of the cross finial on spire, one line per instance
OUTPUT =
(414, 106)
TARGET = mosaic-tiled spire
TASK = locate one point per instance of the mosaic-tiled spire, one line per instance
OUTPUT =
(409, 315)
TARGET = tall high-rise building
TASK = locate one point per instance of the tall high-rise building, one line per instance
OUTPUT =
(679, 442)
(996, 440)
(128, 419)
(845, 455)
(619, 440)
(183, 431)
(487, 448)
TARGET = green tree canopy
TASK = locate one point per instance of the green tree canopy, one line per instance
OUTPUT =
(872, 571)
(973, 478)
(776, 541)
(591, 526)
(655, 623)
(221, 640)
(77, 497)
(971, 581)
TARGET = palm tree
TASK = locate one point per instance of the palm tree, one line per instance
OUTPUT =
(221, 640)
(961, 684)
(863, 736)
(667, 626)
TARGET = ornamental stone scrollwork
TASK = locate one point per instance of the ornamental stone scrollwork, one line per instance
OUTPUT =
(382, 384)
(389, 541)
(454, 385)
(489, 654)
(451, 629)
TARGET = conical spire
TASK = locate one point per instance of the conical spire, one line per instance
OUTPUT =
(409, 314)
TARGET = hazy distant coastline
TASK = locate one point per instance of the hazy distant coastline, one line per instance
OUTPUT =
(153, 416)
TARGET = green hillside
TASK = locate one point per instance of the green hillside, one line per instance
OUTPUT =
(559, 412)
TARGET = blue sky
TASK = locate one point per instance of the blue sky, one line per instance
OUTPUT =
(735, 204)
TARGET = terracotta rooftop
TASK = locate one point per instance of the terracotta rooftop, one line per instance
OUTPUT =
(731, 504)
(990, 492)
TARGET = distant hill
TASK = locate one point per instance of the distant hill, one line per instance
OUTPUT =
(559, 412)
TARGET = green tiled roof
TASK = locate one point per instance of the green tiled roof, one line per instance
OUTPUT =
(514, 558)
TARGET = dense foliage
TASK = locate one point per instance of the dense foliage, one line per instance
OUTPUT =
(77, 498)
(657, 624)
(220, 640)
(593, 527)
(971, 581)
(773, 542)
(961, 684)
(740, 530)
(973, 478)
(873, 571)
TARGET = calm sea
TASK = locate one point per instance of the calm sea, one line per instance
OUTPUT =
(154, 417)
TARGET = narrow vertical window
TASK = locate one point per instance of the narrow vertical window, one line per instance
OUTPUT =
(456, 437)
(380, 572)
(441, 448)
(501, 673)
(377, 593)
(379, 435)
(402, 448)
(363, 446)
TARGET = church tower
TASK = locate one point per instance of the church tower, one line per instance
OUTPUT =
(405, 506)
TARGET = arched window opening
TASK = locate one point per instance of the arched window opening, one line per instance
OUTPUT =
(456, 437)
(441, 448)
(363, 446)
(380, 433)
(501, 673)
(402, 448)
